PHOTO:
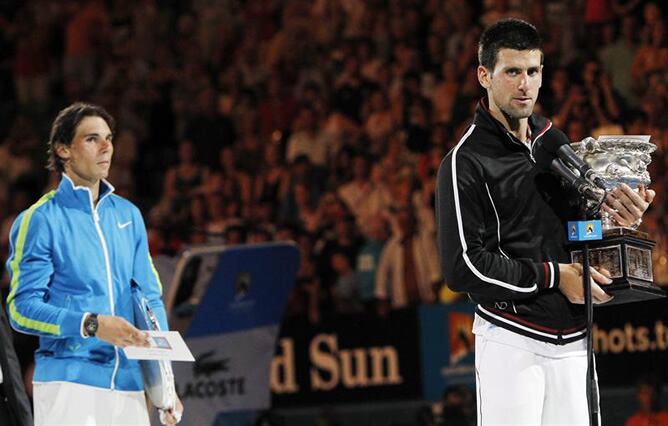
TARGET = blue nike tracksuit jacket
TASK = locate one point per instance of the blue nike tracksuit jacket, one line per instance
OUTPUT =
(68, 258)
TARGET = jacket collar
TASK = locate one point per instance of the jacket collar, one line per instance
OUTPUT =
(538, 125)
(80, 196)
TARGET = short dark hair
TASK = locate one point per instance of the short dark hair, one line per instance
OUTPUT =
(507, 34)
(64, 128)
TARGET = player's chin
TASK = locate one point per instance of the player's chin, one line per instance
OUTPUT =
(519, 113)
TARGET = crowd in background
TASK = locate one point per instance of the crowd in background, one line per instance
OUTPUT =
(320, 121)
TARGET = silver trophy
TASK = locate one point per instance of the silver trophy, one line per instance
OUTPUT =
(624, 252)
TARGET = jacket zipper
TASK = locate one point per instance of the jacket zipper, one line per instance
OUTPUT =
(533, 160)
(538, 136)
(96, 219)
(529, 149)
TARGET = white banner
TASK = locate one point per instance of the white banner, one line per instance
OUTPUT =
(230, 373)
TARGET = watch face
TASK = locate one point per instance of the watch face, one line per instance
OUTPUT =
(91, 325)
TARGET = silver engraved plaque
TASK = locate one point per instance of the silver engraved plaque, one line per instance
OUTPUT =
(609, 258)
(639, 262)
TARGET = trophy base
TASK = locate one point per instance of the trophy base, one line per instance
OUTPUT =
(629, 292)
(627, 255)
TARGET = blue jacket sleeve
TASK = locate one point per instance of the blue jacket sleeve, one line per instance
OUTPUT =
(30, 269)
(145, 273)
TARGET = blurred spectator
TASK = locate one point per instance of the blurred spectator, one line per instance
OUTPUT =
(300, 209)
(87, 35)
(199, 217)
(445, 93)
(170, 211)
(270, 183)
(125, 155)
(186, 175)
(346, 295)
(379, 119)
(556, 94)
(594, 103)
(17, 156)
(408, 272)
(617, 59)
(216, 217)
(356, 192)
(648, 395)
(32, 63)
(227, 179)
(340, 170)
(652, 54)
(301, 171)
(305, 298)
(309, 140)
(341, 238)
(651, 15)
(376, 233)
(235, 234)
(604, 103)
(249, 150)
(277, 111)
(459, 406)
(208, 130)
(259, 234)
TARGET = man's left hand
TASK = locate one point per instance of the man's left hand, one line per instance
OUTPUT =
(627, 206)
(173, 416)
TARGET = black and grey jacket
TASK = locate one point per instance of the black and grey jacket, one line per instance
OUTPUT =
(16, 410)
(501, 231)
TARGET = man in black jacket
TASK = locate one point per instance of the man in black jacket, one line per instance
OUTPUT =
(14, 405)
(502, 241)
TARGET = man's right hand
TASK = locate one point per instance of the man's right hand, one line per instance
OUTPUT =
(119, 332)
(570, 283)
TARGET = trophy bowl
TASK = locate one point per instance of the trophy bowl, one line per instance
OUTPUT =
(617, 160)
(624, 252)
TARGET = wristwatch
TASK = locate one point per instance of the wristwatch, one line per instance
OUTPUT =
(90, 325)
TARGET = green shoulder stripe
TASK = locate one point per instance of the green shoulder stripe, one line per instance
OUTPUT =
(16, 271)
(155, 272)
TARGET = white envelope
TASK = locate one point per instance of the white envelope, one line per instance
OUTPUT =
(165, 345)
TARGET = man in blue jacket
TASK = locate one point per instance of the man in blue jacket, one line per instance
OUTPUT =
(73, 255)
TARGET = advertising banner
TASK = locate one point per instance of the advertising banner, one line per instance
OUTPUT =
(233, 332)
(631, 340)
(352, 358)
(447, 344)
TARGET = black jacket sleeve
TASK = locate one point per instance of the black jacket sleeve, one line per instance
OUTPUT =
(468, 266)
(12, 380)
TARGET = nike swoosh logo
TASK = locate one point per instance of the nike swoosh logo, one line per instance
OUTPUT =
(123, 225)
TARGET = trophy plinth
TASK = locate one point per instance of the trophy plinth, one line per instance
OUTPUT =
(624, 252)
(627, 255)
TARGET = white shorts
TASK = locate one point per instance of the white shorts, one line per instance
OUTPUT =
(72, 404)
(533, 384)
